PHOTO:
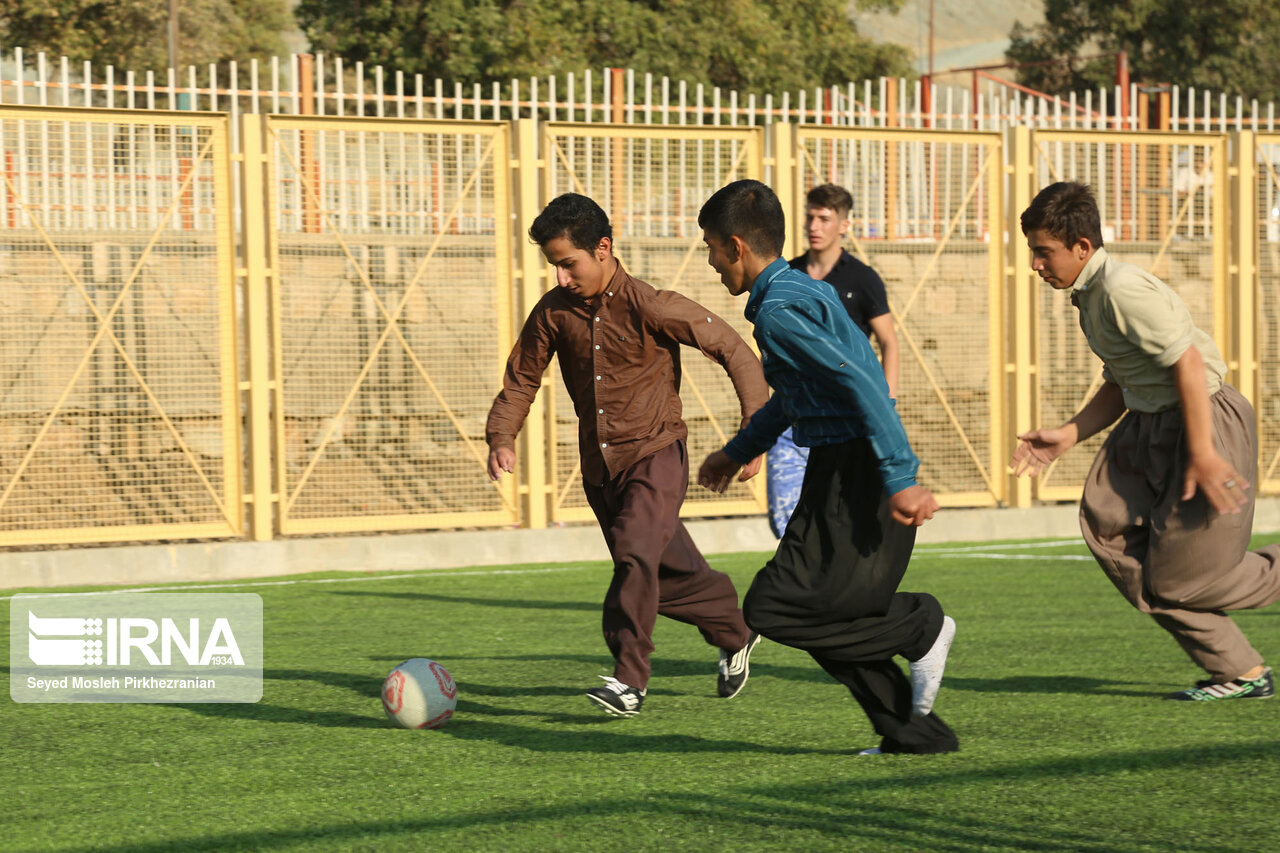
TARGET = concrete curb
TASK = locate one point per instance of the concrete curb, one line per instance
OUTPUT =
(226, 561)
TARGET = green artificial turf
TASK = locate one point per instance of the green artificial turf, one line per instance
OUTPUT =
(1053, 686)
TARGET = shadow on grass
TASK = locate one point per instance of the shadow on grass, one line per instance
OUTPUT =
(663, 667)
(363, 685)
(471, 688)
(589, 716)
(520, 604)
(1044, 684)
(851, 813)
(261, 712)
(606, 738)
(533, 656)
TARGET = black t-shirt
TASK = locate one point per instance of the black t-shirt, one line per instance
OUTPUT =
(859, 287)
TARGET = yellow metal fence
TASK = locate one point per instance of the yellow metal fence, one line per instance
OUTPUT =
(305, 336)
(925, 209)
(119, 410)
(1260, 217)
(391, 298)
(1159, 211)
(653, 181)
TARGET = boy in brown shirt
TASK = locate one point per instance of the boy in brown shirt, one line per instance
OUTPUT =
(618, 341)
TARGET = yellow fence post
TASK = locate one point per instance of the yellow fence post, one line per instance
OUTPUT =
(1243, 308)
(998, 416)
(1222, 251)
(257, 308)
(785, 183)
(1021, 359)
(534, 446)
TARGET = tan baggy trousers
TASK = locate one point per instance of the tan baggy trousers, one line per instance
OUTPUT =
(1181, 561)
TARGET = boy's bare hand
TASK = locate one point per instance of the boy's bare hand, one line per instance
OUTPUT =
(1036, 449)
(501, 459)
(913, 506)
(718, 469)
(1220, 482)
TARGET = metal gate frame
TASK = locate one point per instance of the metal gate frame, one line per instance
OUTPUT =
(228, 500)
(989, 461)
(1225, 332)
(266, 330)
(545, 487)
(1257, 225)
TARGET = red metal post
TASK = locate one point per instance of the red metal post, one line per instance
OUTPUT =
(973, 104)
(310, 166)
(186, 203)
(10, 202)
(1122, 81)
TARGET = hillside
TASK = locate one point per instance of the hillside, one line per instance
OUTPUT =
(966, 32)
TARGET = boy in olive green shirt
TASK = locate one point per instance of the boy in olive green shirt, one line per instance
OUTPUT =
(1166, 510)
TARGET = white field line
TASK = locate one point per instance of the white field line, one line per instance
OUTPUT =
(1008, 546)
(974, 552)
(1001, 552)
(977, 555)
(424, 573)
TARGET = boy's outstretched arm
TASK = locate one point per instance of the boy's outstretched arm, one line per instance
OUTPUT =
(1039, 447)
(757, 435)
(521, 380)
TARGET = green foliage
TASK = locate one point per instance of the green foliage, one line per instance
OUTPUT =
(1053, 686)
(1230, 46)
(133, 34)
(749, 45)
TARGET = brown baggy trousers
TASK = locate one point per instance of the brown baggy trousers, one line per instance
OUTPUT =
(1178, 560)
(656, 567)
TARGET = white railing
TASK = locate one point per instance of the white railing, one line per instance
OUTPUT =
(305, 84)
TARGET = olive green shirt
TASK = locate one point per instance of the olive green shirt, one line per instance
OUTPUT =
(1139, 327)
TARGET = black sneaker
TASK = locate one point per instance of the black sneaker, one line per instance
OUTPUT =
(616, 698)
(1240, 688)
(734, 668)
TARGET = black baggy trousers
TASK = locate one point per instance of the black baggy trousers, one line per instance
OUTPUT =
(831, 590)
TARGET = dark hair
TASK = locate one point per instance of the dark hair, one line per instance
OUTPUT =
(831, 197)
(574, 216)
(1068, 211)
(748, 210)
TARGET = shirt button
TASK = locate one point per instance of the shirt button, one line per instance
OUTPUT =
(597, 319)
(599, 411)
(604, 445)
(597, 346)
(611, 293)
(849, 295)
(597, 378)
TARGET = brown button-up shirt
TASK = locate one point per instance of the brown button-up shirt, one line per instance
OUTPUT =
(620, 360)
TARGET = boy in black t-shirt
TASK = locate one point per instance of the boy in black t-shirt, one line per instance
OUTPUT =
(862, 294)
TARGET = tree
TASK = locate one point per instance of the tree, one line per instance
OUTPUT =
(1229, 45)
(133, 34)
(750, 45)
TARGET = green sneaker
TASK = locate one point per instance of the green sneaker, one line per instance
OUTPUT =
(1241, 688)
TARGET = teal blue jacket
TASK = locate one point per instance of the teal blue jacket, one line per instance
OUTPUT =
(826, 379)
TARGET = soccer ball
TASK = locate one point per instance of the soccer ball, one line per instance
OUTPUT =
(419, 694)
